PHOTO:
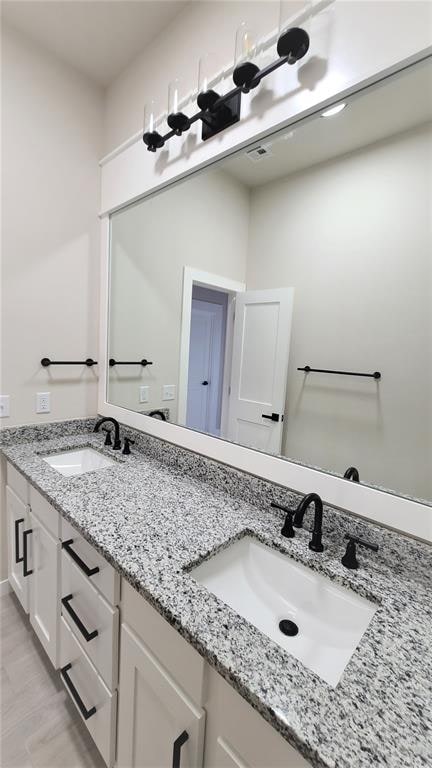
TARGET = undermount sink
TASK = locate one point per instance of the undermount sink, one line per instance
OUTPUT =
(324, 621)
(78, 462)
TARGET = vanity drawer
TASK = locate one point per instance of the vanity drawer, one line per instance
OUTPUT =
(18, 483)
(46, 513)
(86, 612)
(105, 579)
(90, 695)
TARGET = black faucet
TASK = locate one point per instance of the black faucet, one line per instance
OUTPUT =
(157, 415)
(315, 543)
(352, 473)
(114, 422)
(294, 517)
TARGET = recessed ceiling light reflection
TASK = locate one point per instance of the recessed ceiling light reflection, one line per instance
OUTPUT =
(333, 110)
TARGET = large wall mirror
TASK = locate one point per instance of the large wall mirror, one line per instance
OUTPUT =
(282, 298)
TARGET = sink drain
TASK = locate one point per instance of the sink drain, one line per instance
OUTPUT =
(288, 627)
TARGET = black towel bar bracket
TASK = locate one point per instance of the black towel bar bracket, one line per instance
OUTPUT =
(143, 362)
(46, 362)
(307, 369)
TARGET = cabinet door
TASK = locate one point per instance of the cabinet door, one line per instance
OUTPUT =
(17, 523)
(44, 587)
(158, 725)
(238, 737)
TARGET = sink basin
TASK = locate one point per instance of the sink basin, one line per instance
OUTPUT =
(77, 462)
(267, 587)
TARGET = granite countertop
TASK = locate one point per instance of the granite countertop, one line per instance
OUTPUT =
(152, 521)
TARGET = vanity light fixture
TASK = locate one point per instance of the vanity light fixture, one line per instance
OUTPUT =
(219, 112)
(331, 111)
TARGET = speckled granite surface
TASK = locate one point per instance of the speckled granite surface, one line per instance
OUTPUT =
(154, 513)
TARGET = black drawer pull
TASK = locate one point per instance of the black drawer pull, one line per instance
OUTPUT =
(26, 571)
(18, 559)
(86, 713)
(76, 558)
(180, 740)
(77, 621)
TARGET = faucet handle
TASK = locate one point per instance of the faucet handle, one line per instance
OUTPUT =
(127, 442)
(349, 559)
(287, 529)
(108, 440)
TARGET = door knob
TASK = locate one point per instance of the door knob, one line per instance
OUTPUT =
(204, 383)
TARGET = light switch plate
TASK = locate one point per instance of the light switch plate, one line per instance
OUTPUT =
(43, 402)
(144, 393)
(168, 392)
(4, 406)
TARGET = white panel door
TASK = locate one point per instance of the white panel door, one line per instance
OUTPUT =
(262, 332)
(18, 521)
(45, 587)
(158, 725)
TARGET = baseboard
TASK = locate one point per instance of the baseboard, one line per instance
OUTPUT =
(5, 587)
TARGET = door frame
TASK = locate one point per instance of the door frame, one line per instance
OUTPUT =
(193, 276)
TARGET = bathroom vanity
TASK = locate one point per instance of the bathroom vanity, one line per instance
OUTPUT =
(265, 333)
(165, 672)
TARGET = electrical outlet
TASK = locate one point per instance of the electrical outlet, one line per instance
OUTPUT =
(4, 406)
(144, 393)
(168, 392)
(43, 402)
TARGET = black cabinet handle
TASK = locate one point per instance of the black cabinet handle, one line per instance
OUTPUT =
(272, 417)
(204, 383)
(77, 621)
(76, 558)
(18, 559)
(180, 740)
(86, 713)
(26, 570)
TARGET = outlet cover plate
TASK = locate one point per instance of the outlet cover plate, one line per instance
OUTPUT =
(43, 402)
(144, 393)
(4, 406)
(168, 392)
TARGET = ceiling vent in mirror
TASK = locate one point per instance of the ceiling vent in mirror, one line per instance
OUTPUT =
(259, 153)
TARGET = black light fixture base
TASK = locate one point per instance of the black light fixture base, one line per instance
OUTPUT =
(215, 121)
(178, 122)
(207, 99)
(244, 74)
(153, 140)
(293, 43)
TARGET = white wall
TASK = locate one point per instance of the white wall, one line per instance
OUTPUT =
(201, 27)
(51, 140)
(353, 237)
(203, 224)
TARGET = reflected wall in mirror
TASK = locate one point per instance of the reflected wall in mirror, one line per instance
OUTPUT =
(313, 249)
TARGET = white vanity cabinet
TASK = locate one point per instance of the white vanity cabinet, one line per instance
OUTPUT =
(18, 521)
(159, 725)
(44, 586)
(90, 592)
(238, 737)
(175, 711)
(161, 721)
(34, 558)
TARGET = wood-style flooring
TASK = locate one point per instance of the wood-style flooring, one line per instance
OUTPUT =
(40, 727)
